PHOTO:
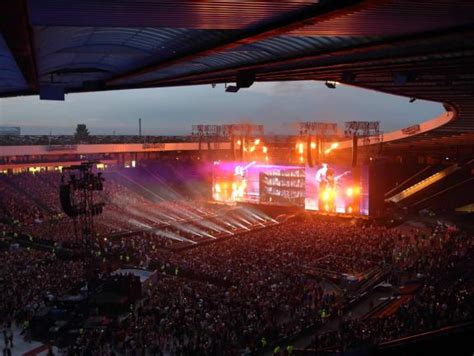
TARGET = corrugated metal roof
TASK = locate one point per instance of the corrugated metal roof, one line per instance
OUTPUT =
(258, 52)
(211, 14)
(61, 48)
(11, 77)
(394, 17)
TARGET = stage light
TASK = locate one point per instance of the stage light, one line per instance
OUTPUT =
(313, 145)
(350, 210)
(325, 196)
(252, 148)
(326, 207)
(265, 149)
(257, 142)
(217, 188)
(301, 159)
(356, 190)
(350, 192)
(239, 142)
(334, 145)
(301, 148)
(327, 151)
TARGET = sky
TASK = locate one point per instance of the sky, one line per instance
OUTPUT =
(173, 111)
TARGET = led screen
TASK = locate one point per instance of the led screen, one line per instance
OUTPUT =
(337, 189)
(326, 187)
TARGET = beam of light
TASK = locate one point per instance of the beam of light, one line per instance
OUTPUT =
(211, 225)
(261, 214)
(141, 186)
(144, 215)
(172, 236)
(229, 224)
(139, 224)
(192, 230)
(253, 217)
(172, 193)
(235, 222)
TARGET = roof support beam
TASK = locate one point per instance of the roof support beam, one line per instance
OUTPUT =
(17, 33)
(322, 11)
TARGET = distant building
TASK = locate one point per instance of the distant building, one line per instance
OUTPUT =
(10, 131)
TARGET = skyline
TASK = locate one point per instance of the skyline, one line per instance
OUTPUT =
(277, 105)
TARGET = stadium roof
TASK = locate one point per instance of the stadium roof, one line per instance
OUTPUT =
(420, 49)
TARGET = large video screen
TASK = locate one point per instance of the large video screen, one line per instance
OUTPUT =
(337, 189)
(326, 187)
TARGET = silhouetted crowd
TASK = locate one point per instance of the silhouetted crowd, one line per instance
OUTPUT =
(249, 291)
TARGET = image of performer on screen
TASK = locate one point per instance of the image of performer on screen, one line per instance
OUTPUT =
(327, 191)
(327, 187)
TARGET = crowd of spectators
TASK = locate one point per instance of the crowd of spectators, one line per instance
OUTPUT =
(444, 264)
(30, 205)
(243, 293)
(259, 288)
(30, 279)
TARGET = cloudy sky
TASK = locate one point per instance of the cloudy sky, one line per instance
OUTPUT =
(174, 110)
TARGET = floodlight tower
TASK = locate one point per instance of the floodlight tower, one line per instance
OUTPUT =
(365, 130)
(79, 185)
(245, 133)
(205, 133)
(321, 131)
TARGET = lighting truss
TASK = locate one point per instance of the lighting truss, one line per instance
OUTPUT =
(366, 130)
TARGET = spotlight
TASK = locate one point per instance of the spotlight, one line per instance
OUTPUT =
(325, 196)
(331, 84)
(350, 192)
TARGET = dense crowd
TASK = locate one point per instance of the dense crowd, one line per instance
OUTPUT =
(445, 265)
(30, 279)
(30, 205)
(246, 292)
